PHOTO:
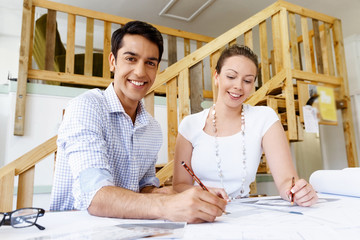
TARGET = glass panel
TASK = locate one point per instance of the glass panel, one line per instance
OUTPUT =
(24, 217)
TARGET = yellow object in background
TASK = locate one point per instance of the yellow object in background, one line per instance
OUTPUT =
(327, 105)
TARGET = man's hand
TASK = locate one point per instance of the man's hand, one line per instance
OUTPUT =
(193, 206)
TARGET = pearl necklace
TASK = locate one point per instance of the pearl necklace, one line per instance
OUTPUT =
(217, 154)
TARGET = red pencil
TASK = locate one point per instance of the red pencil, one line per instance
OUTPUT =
(292, 194)
(194, 176)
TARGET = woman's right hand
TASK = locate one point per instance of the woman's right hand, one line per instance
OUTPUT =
(220, 192)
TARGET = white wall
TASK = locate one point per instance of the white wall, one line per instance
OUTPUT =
(332, 137)
(42, 118)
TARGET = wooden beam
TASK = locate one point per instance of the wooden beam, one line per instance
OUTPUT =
(50, 40)
(26, 26)
(347, 117)
(29, 159)
(303, 97)
(306, 12)
(293, 42)
(214, 46)
(196, 88)
(266, 88)
(89, 46)
(7, 190)
(69, 78)
(166, 172)
(330, 54)
(318, 48)
(306, 44)
(171, 107)
(186, 47)
(264, 52)
(106, 49)
(26, 189)
(276, 35)
(289, 89)
(115, 19)
(315, 77)
(172, 50)
(70, 44)
(149, 101)
(183, 85)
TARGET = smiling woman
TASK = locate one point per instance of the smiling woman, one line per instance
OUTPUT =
(224, 144)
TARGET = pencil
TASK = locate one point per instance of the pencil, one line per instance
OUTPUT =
(292, 194)
(194, 176)
(197, 179)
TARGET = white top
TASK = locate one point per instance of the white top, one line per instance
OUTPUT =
(258, 120)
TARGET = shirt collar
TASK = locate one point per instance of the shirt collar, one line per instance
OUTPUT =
(115, 106)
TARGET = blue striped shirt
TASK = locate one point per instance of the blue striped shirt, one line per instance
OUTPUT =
(99, 145)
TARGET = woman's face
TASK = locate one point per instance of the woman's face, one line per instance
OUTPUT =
(236, 80)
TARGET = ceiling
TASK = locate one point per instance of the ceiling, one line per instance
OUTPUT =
(220, 16)
(217, 18)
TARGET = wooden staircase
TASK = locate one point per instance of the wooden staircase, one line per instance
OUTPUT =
(292, 56)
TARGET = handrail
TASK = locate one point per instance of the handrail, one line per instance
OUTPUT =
(31, 158)
(115, 19)
(214, 45)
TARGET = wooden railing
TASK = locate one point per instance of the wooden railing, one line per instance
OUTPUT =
(289, 66)
(292, 56)
(75, 16)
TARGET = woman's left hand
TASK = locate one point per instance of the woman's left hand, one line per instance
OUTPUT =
(304, 194)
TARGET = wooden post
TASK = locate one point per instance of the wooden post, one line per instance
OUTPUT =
(23, 68)
(183, 85)
(7, 191)
(306, 44)
(293, 41)
(107, 49)
(303, 97)
(89, 45)
(149, 101)
(248, 40)
(276, 34)
(171, 105)
(50, 40)
(26, 188)
(172, 51)
(264, 54)
(70, 44)
(196, 88)
(289, 89)
(318, 51)
(329, 50)
(344, 94)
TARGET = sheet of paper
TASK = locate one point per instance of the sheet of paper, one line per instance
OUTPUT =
(247, 221)
(310, 119)
(342, 182)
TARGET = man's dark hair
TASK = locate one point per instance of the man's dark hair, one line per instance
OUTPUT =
(137, 28)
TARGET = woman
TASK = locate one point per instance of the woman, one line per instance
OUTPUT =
(223, 144)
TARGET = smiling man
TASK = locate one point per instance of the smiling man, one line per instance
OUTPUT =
(108, 143)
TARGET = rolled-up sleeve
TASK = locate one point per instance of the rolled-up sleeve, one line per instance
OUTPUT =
(86, 152)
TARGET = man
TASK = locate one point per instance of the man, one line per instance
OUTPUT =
(108, 143)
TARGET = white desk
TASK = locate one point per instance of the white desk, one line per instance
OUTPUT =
(338, 219)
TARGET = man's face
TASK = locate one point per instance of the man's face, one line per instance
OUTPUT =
(134, 68)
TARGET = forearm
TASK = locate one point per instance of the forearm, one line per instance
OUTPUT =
(181, 187)
(111, 201)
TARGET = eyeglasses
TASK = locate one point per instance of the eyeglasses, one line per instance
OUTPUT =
(23, 217)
